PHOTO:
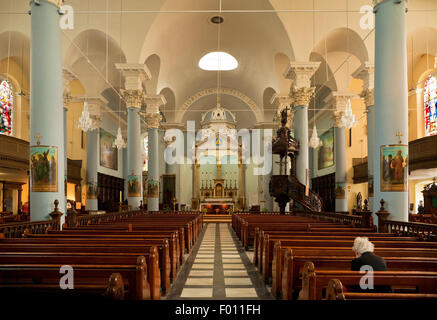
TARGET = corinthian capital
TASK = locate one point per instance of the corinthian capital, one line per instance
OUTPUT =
(337, 115)
(153, 119)
(134, 98)
(302, 96)
(369, 97)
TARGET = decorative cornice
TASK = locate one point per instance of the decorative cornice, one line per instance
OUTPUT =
(301, 73)
(134, 98)
(153, 102)
(134, 75)
(212, 91)
(366, 72)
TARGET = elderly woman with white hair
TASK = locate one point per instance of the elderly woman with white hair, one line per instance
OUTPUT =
(365, 257)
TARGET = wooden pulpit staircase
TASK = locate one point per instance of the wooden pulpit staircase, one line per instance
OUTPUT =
(285, 187)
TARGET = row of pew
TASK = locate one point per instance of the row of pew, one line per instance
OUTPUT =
(309, 259)
(130, 258)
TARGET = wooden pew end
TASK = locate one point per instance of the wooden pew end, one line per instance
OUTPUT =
(115, 287)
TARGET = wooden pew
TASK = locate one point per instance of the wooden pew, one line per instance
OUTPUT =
(130, 248)
(335, 292)
(286, 276)
(266, 252)
(88, 277)
(315, 280)
(294, 265)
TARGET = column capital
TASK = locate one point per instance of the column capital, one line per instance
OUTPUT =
(134, 98)
(302, 95)
(301, 72)
(377, 2)
(369, 97)
(134, 75)
(153, 120)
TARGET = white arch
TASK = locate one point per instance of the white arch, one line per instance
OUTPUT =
(227, 91)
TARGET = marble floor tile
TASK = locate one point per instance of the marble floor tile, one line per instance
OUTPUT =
(238, 281)
(240, 293)
(196, 293)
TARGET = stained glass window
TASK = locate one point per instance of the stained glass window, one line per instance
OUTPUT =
(145, 153)
(6, 103)
(430, 106)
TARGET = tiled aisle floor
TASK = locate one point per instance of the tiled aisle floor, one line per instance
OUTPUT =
(218, 268)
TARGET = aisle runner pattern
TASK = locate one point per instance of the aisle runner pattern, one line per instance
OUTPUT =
(219, 270)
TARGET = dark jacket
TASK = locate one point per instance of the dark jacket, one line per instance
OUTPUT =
(377, 263)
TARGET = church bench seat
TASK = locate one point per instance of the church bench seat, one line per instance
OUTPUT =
(294, 264)
(335, 292)
(91, 248)
(314, 281)
(284, 275)
(259, 236)
(266, 246)
(45, 277)
(173, 244)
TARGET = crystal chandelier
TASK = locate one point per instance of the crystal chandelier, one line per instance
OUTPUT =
(85, 122)
(348, 118)
(314, 140)
(119, 141)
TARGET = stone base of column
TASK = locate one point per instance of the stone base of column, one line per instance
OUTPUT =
(135, 202)
(153, 204)
(92, 205)
(341, 205)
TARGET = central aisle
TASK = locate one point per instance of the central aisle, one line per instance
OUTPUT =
(218, 268)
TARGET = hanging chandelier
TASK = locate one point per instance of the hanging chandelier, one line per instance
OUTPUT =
(348, 118)
(314, 140)
(119, 141)
(85, 123)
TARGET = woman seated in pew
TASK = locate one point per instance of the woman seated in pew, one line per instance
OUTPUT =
(365, 257)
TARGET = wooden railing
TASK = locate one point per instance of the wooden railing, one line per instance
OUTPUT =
(17, 229)
(423, 231)
(84, 220)
(359, 221)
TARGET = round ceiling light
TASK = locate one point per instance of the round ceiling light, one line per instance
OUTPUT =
(218, 61)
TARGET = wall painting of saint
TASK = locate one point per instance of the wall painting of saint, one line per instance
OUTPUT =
(44, 168)
(394, 168)
(133, 186)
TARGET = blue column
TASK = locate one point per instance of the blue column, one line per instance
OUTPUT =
(391, 100)
(153, 171)
(301, 135)
(91, 169)
(340, 168)
(65, 153)
(134, 158)
(46, 103)
(370, 154)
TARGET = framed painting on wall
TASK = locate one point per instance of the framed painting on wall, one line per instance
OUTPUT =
(394, 166)
(340, 190)
(326, 151)
(108, 153)
(91, 190)
(44, 168)
(133, 186)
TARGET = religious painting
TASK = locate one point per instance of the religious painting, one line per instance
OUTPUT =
(44, 168)
(108, 153)
(153, 188)
(91, 190)
(133, 186)
(326, 151)
(340, 190)
(370, 186)
(394, 166)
